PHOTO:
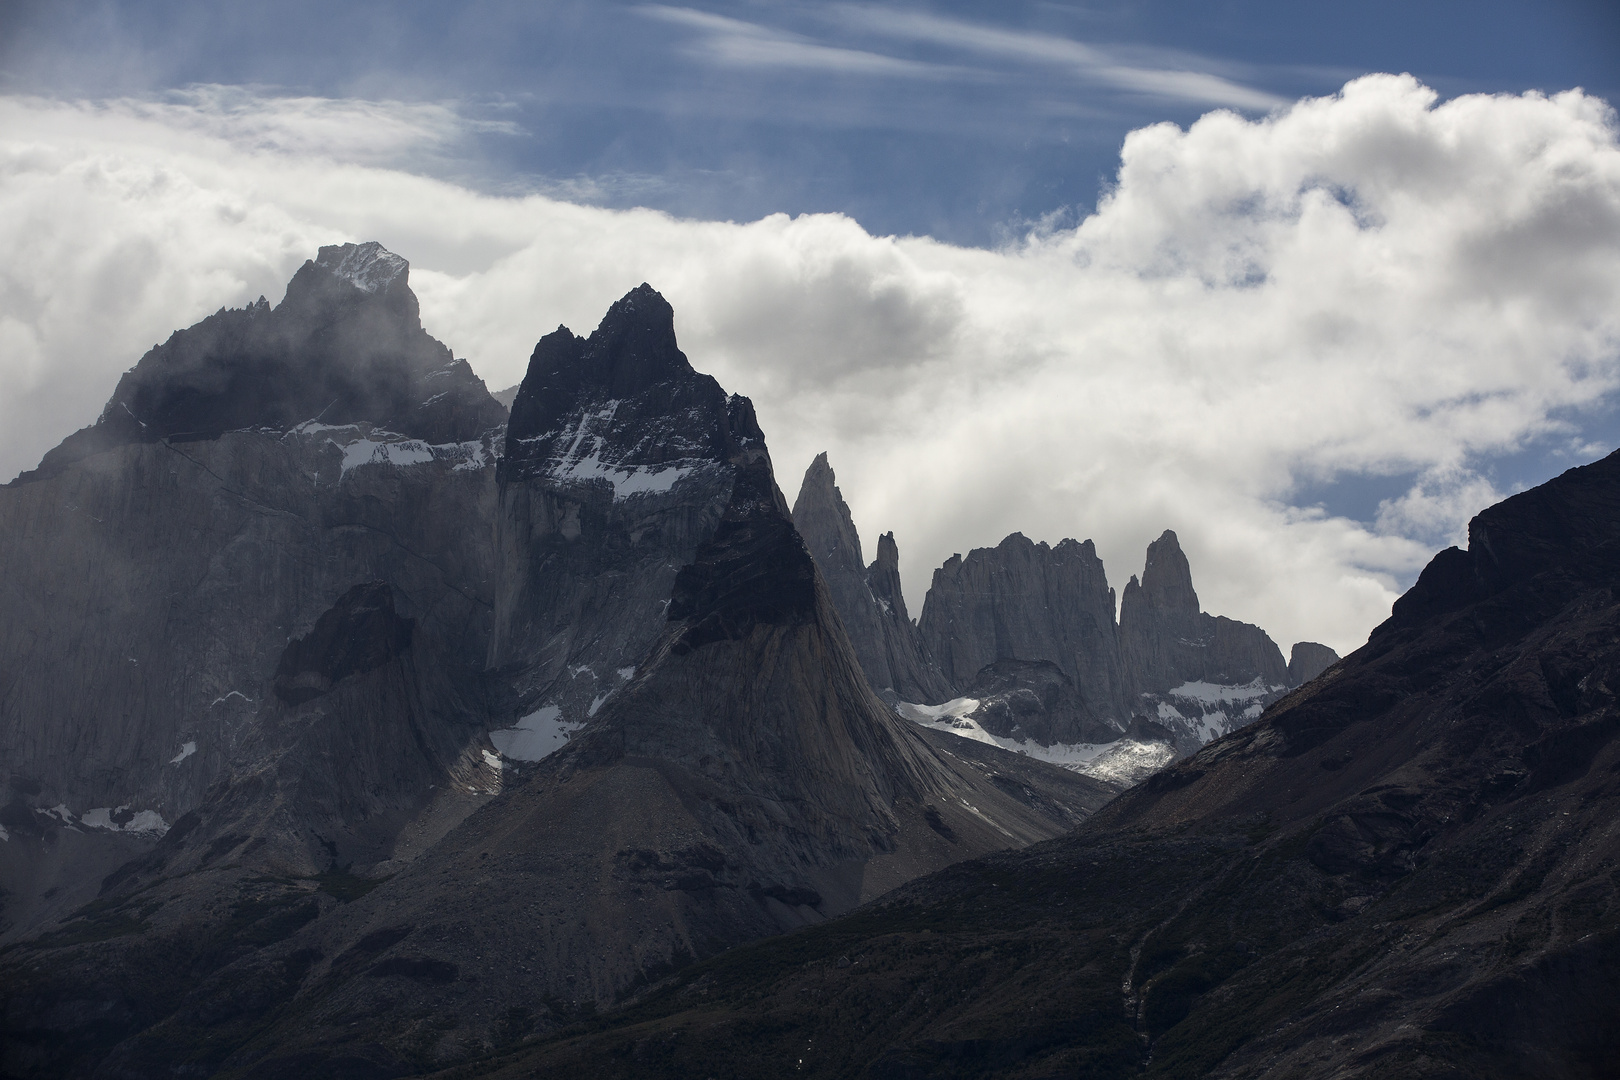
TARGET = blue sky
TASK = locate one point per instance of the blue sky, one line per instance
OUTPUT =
(1089, 270)
(962, 121)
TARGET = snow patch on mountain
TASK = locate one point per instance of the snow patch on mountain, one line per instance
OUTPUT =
(1203, 711)
(626, 480)
(594, 452)
(186, 750)
(535, 736)
(1125, 761)
(363, 445)
(369, 452)
(119, 819)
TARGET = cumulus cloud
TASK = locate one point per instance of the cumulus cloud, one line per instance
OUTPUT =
(1373, 284)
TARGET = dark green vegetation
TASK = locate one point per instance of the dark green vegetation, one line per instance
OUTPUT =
(1409, 867)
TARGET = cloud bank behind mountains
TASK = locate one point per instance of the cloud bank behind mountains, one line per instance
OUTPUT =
(1369, 285)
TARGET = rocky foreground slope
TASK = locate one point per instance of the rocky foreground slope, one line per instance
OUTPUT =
(330, 747)
(1406, 868)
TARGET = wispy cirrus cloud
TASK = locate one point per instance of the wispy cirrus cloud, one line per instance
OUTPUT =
(977, 51)
(348, 129)
(739, 43)
(1091, 63)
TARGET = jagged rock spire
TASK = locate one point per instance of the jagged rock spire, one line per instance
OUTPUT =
(1167, 641)
(868, 598)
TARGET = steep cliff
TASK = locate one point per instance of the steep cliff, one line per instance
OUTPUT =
(617, 466)
(867, 598)
(993, 619)
(1027, 601)
(1307, 660)
(1167, 640)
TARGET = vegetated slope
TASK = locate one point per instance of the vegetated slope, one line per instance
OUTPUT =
(1408, 867)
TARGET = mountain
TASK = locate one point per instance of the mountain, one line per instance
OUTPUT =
(1026, 635)
(868, 598)
(332, 748)
(618, 465)
(1167, 639)
(1201, 675)
(154, 583)
(1027, 601)
(1405, 867)
(345, 345)
(1307, 660)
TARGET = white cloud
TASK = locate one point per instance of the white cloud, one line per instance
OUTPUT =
(1367, 284)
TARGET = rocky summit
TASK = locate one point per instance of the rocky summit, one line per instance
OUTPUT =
(353, 730)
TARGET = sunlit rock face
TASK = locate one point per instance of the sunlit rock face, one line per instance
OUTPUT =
(1026, 636)
(1026, 601)
(1167, 640)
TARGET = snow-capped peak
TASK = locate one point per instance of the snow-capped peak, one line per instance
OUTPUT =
(369, 267)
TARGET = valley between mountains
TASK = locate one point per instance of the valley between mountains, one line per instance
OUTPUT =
(356, 722)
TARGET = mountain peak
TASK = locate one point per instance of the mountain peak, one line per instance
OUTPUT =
(345, 345)
(1167, 578)
(634, 345)
(369, 267)
(824, 520)
(622, 406)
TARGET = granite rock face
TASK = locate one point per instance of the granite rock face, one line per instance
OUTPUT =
(618, 465)
(992, 618)
(1027, 601)
(1307, 660)
(1033, 700)
(1167, 640)
(913, 670)
(867, 598)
